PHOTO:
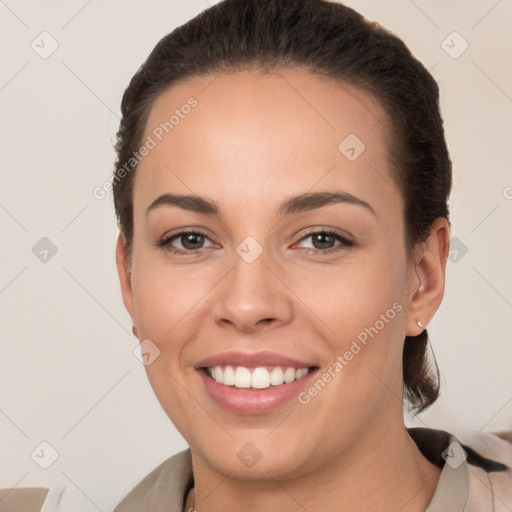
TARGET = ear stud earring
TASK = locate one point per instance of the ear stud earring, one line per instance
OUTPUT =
(419, 324)
(421, 288)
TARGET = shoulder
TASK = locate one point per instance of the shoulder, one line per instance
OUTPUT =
(486, 459)
(489, 457)
(162, 489)
(492, 451)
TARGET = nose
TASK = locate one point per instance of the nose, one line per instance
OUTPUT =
(253, 296)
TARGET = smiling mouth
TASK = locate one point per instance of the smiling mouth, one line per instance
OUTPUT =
(260, 377)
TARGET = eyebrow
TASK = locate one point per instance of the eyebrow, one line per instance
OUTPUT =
(296, 204)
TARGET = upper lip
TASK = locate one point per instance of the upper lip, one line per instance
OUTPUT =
(253, 359)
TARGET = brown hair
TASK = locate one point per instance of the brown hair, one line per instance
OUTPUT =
(324, 38)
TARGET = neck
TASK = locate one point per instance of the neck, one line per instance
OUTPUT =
(386, 472)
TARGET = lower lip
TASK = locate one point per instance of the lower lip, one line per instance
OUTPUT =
(254, 401)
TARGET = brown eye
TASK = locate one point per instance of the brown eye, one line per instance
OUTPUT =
(185, 242)
(325, 241)
(192, 241)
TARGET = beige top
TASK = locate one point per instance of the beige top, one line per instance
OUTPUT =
(27, 499)
(474, 477)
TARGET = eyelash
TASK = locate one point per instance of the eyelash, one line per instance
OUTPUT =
(166, 241)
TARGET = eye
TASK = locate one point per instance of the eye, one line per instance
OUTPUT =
(324, 242)
(191, 242)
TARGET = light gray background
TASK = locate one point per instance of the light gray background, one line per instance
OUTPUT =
(68, 374)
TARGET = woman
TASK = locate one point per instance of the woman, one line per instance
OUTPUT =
(281, 188)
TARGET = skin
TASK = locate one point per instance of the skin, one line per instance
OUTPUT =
(253, 141)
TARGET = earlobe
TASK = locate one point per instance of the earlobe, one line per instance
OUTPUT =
(124, 273)
(427, 285)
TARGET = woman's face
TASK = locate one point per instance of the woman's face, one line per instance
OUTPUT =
(265, 288)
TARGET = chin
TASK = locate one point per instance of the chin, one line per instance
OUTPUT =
(246, 460)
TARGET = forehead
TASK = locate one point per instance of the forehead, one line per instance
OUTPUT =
(244, 134)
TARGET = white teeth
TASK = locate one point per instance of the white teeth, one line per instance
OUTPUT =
(302, 372)
(257, 378)
(217, 374)
(229, 376)
(289, 375)
(242, 377)
(276, 376)
(260, 378)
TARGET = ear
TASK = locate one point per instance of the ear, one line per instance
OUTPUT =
(123, 270)
(428, 277)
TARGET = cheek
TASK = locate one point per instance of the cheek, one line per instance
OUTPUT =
(361, 306)
(166, 310)
(164, 298)
(352, 296)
